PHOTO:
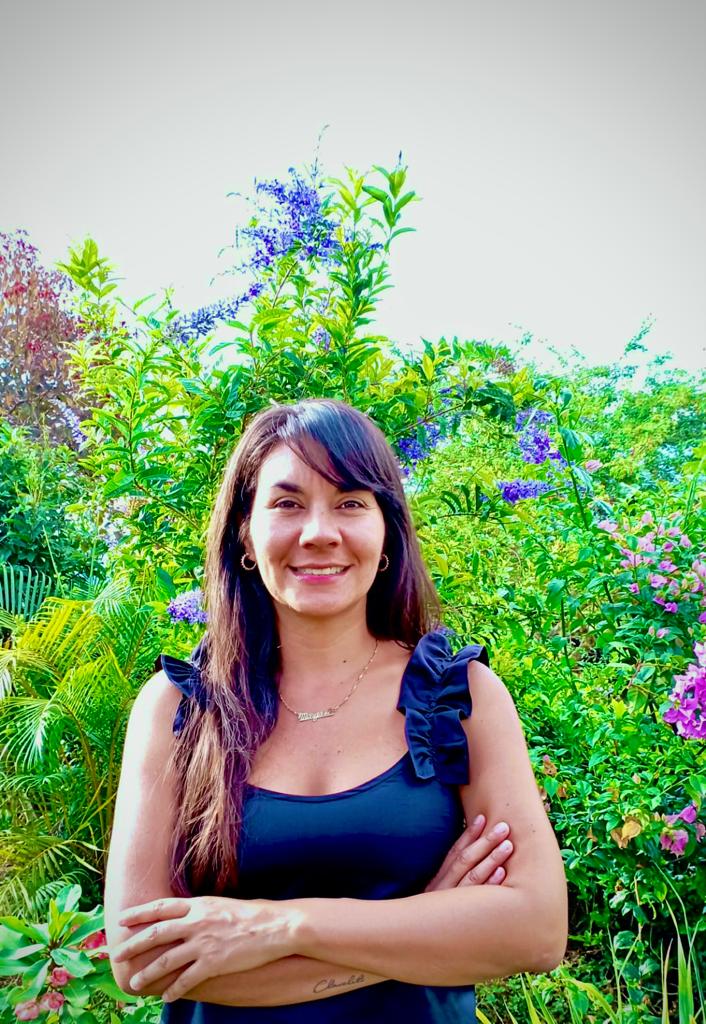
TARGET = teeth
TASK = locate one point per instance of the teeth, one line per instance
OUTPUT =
(319, 572)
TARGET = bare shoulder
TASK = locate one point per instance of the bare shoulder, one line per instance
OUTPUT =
(150, 727)
(500, 764)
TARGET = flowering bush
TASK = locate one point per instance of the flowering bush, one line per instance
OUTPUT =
(37, 381)
(59, 968)
(563, 519)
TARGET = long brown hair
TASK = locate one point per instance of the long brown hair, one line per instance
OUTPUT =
(239, 657)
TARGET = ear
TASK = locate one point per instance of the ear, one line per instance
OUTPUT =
(244, 536)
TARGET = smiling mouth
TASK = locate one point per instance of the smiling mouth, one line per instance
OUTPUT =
(320, 573)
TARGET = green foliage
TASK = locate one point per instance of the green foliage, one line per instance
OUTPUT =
(627, 998)
(59, 967)
(558, 585)
(41, 524)
(69, 676)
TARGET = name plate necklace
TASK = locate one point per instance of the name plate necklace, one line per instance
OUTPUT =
(312, 716)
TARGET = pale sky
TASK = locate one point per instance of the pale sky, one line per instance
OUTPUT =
(559, 148)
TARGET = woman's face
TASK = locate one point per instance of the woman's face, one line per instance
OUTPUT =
(300, 520)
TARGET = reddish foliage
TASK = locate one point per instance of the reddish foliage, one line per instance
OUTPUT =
(37, 383)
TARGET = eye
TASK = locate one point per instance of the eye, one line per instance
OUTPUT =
(283, 502)
(355, 502)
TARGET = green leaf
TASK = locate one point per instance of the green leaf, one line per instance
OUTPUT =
(376, 193)
(74, 960)
(166, 582)
(78, 991)
(34, 979)
(401, 203)
(108, 985)
(121, 483)
(15, 924)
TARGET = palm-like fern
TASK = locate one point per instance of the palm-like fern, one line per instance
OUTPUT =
(68, 678)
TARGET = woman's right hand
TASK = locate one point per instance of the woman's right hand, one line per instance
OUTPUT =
(476, 858)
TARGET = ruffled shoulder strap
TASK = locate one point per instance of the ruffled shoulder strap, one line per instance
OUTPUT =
(434, 697)
(186, 676)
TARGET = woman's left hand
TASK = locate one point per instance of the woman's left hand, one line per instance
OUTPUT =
(217, 936)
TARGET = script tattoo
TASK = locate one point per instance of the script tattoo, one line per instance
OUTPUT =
(328, 983)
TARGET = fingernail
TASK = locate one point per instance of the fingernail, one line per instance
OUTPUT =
(477, 820)
(500, 828)
(507, 845)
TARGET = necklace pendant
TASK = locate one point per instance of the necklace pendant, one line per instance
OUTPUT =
(312, 716)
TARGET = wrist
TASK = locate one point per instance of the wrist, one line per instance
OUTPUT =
(302, 936)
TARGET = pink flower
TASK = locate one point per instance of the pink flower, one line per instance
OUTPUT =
(702, 617)
(700, 831)
(673, 531)
(662, 633)
(659, 600)
(592, 465)
(666, 566)
(685, 542)
(94, 941)
(699, 568)
(655, 580)
(646, 543)
(668, 546)
(52, 1001)
(28, 1010)
(634, 588)
(674, 841)
(608, 526)
(647, 519)
(59, 976)
(671, 606)
(688, 815)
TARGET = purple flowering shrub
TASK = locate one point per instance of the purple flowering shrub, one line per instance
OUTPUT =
(536, 449)
(591, 637)
(666, 575)
(188, 607)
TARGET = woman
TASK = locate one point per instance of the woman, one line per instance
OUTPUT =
(297, 852)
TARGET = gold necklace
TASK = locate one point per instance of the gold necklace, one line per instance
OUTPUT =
(312, 716)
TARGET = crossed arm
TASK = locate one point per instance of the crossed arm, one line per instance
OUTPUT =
(455, 936)
(476, 858)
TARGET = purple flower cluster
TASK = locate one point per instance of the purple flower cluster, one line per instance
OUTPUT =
(73, 423)
(294, 222)
(688, 698)
(201, 322)
(188, 607)
(675, 839)
(321, 338)
(518, 490)
(414, 450)
(535, 444)
(536, 448)
(532, 417)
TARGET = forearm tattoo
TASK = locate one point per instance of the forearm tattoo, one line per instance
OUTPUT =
(326, 984)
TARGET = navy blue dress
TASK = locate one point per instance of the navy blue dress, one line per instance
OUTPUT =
(381, 840)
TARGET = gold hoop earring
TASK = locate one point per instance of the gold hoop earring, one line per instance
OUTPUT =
(248, 568)
(386, 566)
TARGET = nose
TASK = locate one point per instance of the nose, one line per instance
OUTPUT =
(319, 527)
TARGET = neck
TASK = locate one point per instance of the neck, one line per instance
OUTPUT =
(316, 656)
